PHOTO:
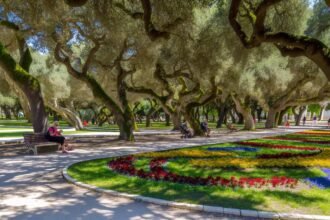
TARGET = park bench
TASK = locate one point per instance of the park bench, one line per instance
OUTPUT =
(37, 143)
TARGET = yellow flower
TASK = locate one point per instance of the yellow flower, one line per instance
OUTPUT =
(315, 132)
(322, 160)
(186, 153)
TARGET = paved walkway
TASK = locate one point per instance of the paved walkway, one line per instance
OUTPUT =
(31, 187)
(4, 140)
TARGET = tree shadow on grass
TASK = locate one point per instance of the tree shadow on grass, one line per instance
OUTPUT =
(208, 195)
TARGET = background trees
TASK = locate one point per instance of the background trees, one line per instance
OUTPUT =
(260, 17)
(183, 57)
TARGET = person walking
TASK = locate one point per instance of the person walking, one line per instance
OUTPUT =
(304, 120)
(205, 128)
(314, 120)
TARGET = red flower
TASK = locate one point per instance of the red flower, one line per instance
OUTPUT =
(124, 165)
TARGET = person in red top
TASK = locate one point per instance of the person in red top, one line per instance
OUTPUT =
(55, 135)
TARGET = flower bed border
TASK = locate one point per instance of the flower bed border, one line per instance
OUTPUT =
(195, 207)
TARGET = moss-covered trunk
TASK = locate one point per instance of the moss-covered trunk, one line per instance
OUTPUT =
(121, 111)
(29, 86)
(123, 116)
(126, 126)
(126, 120)
(193, 122)
(39, 116)
(176, 120)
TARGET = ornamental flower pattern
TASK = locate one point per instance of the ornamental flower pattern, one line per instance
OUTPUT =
(124, 165)
(245, 154)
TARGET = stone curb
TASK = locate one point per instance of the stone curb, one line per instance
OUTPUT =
(196, 207)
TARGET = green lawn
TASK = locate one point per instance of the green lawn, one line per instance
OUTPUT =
(304, 198)
(15, 134)
(15, 127)
(314, 200)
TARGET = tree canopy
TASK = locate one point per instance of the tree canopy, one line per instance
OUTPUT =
(181, 54)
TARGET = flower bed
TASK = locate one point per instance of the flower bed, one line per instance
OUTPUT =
(321, 182)
(314, 132)
(124, 165)
(319, 160)
(286, 155)
(279, 172)
(299, 139)
(191, 153)
(277, 146)
(210, 157)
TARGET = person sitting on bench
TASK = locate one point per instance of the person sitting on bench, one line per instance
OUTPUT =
(205, 128)
(231, 127)
(185, 131)
(55, 135)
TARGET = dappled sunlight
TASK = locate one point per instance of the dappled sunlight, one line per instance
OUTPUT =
(178, 187)
(32, 186)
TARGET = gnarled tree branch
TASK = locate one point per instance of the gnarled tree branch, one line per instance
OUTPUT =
(288, 44)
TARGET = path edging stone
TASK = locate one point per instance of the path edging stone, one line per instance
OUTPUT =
(196, 207)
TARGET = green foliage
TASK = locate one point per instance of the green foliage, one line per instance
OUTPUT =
(314, 108)
(16, 72)
(7, 100)
(328, 107)
(319, 22)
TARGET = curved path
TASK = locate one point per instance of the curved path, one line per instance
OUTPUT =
(31, 187)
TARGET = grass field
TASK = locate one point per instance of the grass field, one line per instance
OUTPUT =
(16, 128)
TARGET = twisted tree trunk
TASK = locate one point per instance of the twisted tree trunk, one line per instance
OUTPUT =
(176, 120)
(271, 118)
(222, 112)
(279, 120)
(245, 110)
(193, 122)
(27, 84)
(68, 115)
(298, 115)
